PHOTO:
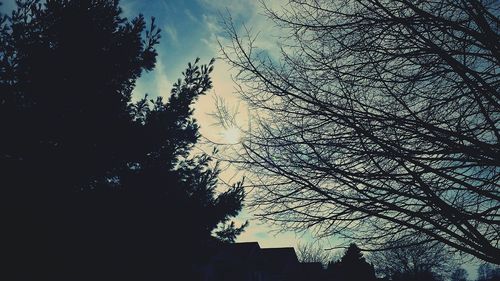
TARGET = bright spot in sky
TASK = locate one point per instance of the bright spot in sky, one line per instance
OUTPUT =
(231, 135)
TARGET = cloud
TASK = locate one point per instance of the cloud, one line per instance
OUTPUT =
(212, 27)
(170, 30)
(247, 14)
(168, 7)
(250, 13)
(236, 7)
(190, 15)
(163, 85)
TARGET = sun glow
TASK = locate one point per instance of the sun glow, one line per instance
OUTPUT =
(231, 135)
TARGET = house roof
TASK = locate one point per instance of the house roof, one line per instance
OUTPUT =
(287, 253)
(241, 259)
(279, 259)
(238, 252)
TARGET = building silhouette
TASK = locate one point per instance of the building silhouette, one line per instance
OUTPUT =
(249, 262)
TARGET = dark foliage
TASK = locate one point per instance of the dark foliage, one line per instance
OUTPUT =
(93, 186)
(351, 267)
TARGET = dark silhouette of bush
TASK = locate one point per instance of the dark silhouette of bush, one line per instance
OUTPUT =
(94, 186)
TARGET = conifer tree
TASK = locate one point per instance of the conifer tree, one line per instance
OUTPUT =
(95, 186)
(352, 266)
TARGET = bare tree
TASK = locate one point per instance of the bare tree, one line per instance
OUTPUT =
(401, 259)
(313, 252)
(379, 120)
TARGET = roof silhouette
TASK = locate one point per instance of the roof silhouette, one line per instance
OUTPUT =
(279, 259)
(238, 252)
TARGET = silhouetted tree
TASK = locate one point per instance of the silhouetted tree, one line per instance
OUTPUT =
(93, 186)
(352, 266)
(379, 117)
(459, 274)
(69, 68)
(486, 272)
(406, 261)
(313, 252)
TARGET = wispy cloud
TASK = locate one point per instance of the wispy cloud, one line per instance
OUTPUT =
(190, 15)
(239, 8)
(163, 85)
(170, 30)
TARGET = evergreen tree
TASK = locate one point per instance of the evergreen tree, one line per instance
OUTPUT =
(352, 266)
(95, 187)
(68, 70)
(353, 255)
